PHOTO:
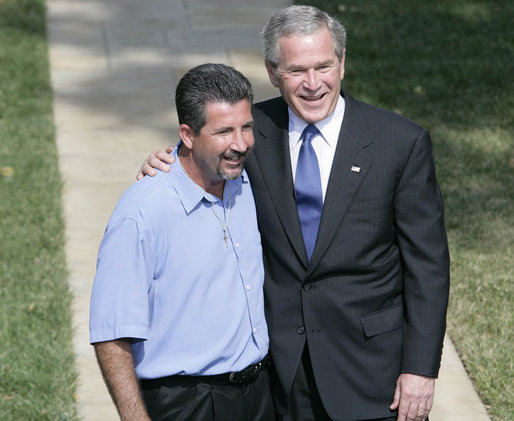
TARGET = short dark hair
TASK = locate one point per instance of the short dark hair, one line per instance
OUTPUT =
(208, 83)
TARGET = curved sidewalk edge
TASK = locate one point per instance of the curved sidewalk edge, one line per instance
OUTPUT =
(455, 396)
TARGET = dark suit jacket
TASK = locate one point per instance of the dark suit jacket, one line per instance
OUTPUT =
(372, 302)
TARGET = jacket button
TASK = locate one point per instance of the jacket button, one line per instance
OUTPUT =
(300, 330)
(307, 287)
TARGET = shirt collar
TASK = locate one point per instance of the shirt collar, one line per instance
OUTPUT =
(191, 195)
(329, 127)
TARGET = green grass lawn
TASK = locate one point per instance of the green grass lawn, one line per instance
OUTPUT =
(37, 377)
(449, 66)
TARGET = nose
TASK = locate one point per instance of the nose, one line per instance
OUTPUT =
(242, 140)
(311, 80)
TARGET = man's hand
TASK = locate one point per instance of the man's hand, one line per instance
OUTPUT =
(414, 396)
(157, 159)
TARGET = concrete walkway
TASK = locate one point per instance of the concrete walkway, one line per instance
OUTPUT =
(114, 67)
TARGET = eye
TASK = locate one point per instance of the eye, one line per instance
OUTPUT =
(295, 72)
(325, 68)
(223, 131)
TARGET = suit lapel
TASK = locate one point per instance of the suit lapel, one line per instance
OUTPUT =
(352, 161)
(273, 140)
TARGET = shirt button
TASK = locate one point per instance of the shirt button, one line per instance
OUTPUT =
(307, 287)
(300, 330)
(254, 330)
(237, 243)
(248, 287)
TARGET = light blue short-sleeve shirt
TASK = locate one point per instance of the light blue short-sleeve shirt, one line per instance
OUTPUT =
(191, 303)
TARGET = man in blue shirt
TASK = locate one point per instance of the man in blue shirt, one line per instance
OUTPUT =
(177, 313)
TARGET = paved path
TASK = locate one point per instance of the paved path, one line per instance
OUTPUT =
(114, 67)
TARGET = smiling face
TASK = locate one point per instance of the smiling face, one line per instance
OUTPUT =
(219, 150)
(309, 74)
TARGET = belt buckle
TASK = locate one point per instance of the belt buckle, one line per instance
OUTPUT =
(239, 376)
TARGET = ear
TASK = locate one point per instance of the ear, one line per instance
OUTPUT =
(186, 135)
(271, 73)
(342, 64)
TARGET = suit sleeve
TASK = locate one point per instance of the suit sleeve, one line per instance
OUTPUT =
(423, 245)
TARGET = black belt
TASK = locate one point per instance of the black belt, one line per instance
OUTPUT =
(239, 377)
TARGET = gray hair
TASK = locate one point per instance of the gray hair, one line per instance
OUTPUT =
(208, 83)
(300, 20)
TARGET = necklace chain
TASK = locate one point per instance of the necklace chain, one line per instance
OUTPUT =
(226, 216)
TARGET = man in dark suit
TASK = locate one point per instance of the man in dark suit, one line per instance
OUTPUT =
(355, 249)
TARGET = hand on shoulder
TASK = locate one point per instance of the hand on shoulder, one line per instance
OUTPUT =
(160, 160)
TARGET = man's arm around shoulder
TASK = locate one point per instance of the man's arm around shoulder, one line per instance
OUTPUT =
(117, 365)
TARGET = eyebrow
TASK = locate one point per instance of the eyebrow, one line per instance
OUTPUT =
(223, 128)
(319, 64)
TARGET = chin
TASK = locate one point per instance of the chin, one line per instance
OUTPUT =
(231, 175)
(313, 116)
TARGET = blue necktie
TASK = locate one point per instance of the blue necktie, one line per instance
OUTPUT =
(309, 199)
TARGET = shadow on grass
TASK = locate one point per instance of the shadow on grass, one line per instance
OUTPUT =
(447, 66)
(438, 63)
(23, 15)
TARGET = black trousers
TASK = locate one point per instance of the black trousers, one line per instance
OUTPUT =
(305, 401)
(182, 398)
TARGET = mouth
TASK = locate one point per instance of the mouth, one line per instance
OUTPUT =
(313, 98)
(234, 158)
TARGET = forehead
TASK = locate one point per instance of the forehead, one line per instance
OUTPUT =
(227, 114)
(315, 47)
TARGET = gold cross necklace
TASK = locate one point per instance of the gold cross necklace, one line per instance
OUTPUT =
(226, 215)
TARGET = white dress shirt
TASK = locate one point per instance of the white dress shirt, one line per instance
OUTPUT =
(324, 145)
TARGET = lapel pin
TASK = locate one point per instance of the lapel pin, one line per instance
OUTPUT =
(356, 169)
